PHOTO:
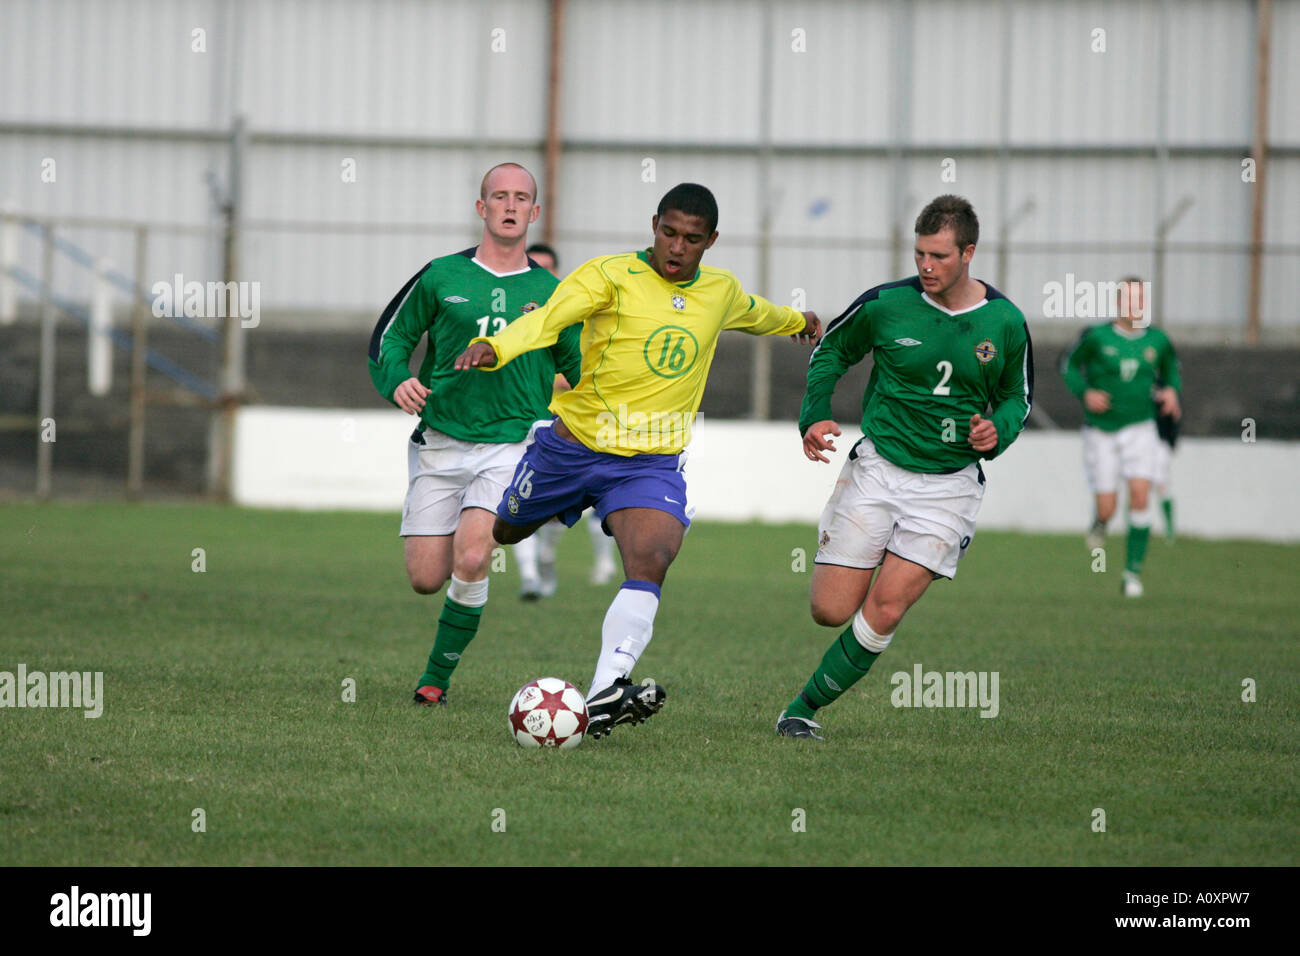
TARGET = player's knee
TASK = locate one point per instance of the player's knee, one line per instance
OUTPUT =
(828, 614)
(1138, 499)
(424, 581)
(472, 563)
(885, 614)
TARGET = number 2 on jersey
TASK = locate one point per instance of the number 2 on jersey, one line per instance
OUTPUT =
(942, 388)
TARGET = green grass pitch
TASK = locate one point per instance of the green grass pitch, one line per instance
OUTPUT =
(223, 692)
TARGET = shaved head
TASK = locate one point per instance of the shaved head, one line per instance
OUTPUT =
(483, 187)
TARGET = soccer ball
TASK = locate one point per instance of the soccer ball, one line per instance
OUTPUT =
(548, 712)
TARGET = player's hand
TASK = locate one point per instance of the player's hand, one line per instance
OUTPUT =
(812, 331)
(1168, 399)
(1096, 401)
(983, 434)
(815, 441)
(410, 396)
(478, 355)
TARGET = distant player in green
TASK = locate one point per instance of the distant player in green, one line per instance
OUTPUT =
(947, 349)
(472, 427)
(1113, 369)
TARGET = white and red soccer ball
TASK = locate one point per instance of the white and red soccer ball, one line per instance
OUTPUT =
(548, 712)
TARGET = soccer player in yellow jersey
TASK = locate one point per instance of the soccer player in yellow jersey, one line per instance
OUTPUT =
(651, 321)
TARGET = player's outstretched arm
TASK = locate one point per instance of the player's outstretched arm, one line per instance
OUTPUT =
(581, 295)
(815, 440)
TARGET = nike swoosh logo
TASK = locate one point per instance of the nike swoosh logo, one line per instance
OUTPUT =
(605, 700)
(635, 272)
(673, 500)
(619, 650)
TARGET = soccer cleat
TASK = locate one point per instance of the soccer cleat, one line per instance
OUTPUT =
(530, 589)
(1096, 536)
(429, 696)
(623, 702)
(798, 727)
(1132, 585)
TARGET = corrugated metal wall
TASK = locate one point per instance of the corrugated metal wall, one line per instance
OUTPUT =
(860, 102)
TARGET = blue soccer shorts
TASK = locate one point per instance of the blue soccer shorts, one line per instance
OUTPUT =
(561, 478)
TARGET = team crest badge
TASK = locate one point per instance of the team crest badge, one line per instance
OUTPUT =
(679, 303)
(529, 307)
(826, 539)
(513, 504)
(986, 352)
(1150, 355)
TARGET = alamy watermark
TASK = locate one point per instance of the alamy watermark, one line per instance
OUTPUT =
(76, 908)
(208, 300)
(923, 688)
(81, 690)
(1085, 299)
(643, 431)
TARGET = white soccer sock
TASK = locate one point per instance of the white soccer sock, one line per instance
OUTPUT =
(629, 625)
(1140, 519)
(468, 593)
(601, 544)
(526, 556)
(548, 537)
(869, 639)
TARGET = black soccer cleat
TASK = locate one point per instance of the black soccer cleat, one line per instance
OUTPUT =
(623, 702)
(429, 696)
(798, 727)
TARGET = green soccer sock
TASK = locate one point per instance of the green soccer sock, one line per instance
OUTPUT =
(1137, 548)
(1167, 506)
(457, 626)
(844, 664)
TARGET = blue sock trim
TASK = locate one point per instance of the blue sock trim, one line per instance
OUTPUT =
(648, 586)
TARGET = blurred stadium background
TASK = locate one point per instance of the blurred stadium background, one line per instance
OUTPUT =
(324, 151)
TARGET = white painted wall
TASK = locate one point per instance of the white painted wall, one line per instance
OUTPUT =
(742, 471)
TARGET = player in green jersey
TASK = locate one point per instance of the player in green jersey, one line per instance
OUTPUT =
(1113, 369)
(472, 427)
(947, 349)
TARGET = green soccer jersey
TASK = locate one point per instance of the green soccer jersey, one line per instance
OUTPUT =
(934, 369)
(454, 299)
(1125, 365)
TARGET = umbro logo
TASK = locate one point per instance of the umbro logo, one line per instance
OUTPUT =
(455, 298)
(907, 341)
(453, 656)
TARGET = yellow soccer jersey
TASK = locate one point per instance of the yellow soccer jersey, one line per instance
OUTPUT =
(647, 345)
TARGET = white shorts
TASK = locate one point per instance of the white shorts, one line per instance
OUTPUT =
(1125, 454)
(1164, 454)
(448, 475)
(878, 507)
